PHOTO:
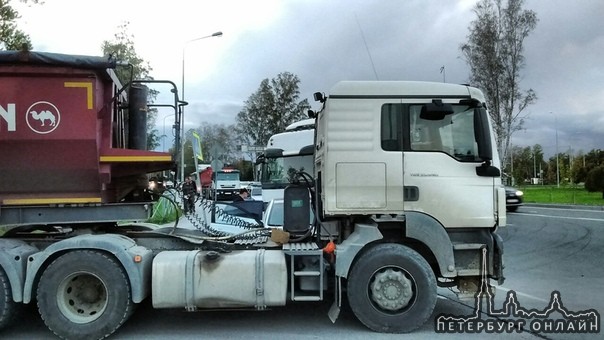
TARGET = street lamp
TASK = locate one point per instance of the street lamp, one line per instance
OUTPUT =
(557, 160)
(182, 90)
(164, 135)
(534, 166)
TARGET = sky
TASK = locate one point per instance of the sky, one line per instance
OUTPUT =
(324, 42)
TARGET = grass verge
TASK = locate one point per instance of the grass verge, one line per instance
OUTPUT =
(561, 195)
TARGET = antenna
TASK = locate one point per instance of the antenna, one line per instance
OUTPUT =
(367, 48)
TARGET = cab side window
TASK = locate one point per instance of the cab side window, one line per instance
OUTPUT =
(403, 129)
(392, 127)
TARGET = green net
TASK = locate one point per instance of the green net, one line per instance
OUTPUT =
(165, 209)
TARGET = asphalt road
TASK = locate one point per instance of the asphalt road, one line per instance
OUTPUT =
(556, 249)
(546, 250)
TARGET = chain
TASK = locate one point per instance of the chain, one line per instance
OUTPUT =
(249, 230)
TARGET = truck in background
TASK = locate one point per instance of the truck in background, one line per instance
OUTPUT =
(203, 179)
(220, 185)
(425, 213)
(225, 183)
(286, 154)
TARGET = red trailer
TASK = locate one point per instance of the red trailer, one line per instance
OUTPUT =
(74, 171)
(205, 182)
(58, 113)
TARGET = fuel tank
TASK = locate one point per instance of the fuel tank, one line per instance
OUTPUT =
(207, 279)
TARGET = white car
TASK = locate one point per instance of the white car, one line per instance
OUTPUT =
(273, 215)
(236, 218)
(255, 192)
(249, 212)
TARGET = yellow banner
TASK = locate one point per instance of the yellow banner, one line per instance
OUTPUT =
(196, 143)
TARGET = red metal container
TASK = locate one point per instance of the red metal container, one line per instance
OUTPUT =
(60, 128)
(206, 177)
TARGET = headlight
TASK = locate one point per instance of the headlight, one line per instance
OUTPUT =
(519, 193)
(152, 185)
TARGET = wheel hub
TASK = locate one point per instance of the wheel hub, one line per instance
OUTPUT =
(391, 290)
(89, 295)
(82, 298)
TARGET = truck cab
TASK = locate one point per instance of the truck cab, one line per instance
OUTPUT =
(286, 153)
(408, 179)
(226, 183)
(382, 148)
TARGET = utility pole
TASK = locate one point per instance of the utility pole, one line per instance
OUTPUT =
(182, 91)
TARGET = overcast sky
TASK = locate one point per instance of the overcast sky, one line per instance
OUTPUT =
(323, 42)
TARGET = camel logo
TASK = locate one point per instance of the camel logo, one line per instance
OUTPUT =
(43, 117)
(553, 318)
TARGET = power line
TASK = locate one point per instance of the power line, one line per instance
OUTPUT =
(366, 47)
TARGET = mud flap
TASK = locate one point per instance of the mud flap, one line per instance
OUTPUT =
(334, 310)
(498, 264)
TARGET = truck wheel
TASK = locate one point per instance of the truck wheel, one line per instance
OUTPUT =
(8, 307)
(391, 289)
(84, 295)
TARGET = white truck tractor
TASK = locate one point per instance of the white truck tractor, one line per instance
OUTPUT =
(286, 153)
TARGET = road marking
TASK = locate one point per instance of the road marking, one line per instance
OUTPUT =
(564, 217)
(546, 208)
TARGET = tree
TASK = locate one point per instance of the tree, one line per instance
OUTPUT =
(494, 54)
(12, 38)
(270, 109)
(578, 169)
(246, 169)
(122, 48)
(525, 163)
(189, 163)
(595, 180)
(552, 166)
(217, 143)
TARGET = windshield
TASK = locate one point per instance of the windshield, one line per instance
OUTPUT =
(227, 176)
(278, 172)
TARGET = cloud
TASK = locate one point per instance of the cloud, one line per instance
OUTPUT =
(324, 42)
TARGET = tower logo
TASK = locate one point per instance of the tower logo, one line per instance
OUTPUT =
(512, 317)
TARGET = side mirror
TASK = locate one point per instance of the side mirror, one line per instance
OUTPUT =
(482, 134)
(319, 97)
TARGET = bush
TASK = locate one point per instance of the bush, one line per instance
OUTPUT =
(595, 180)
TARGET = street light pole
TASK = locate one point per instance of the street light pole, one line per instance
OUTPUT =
(534, 165)
(182, 91)
(512, 163)
(557, 160)
(164, 146)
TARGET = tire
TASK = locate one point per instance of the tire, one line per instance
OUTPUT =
(512, 209)
(391, 289)
(8, 307)
(84, 295)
